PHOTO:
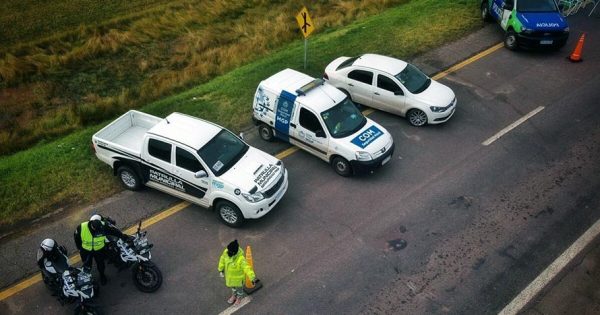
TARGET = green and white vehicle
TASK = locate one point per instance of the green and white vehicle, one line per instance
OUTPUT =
(528, 23)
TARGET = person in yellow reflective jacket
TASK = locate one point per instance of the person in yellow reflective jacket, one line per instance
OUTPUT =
(90, 239)
(233, 266)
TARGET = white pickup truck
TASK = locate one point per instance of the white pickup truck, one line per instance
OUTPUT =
(195, 160)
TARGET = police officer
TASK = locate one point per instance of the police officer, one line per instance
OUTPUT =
(233, 266)
(90, 239)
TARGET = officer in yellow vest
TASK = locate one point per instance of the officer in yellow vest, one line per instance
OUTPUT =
(233, 266)
(90, 239)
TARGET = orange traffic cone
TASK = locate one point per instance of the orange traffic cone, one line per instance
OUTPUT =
(576, 55)
(249, 287)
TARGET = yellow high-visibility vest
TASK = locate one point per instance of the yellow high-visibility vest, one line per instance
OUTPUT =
(88, 241)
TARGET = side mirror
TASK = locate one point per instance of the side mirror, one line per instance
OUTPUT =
(399, 92)
(242, 135)
(201, 174)
(320, 134)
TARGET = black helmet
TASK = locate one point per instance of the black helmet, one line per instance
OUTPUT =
(95, 225)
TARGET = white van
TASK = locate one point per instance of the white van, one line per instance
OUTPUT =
(319, 118)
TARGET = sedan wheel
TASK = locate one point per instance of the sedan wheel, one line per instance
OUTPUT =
(417, 117)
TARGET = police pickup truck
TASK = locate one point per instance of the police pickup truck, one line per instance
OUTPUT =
(319, 118)
(195, 160)
(528, 23)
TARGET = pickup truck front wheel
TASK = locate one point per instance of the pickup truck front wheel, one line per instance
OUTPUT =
(229, 213)
(129, 178)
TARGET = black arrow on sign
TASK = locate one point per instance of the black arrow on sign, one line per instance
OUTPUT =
(306, 25)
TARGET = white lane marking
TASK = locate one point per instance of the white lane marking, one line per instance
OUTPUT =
(512, 126)
(535, 287)
(233, 308)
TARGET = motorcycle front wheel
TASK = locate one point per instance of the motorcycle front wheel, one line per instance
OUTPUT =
(147, 277)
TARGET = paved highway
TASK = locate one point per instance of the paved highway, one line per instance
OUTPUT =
(459, 222)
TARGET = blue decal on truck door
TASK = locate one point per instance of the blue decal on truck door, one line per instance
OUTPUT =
(367, 136)
(283, 114)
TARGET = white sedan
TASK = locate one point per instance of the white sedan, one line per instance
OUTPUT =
(394, 86)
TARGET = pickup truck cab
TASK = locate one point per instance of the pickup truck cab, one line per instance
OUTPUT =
(528, 23)
(195, 160)
(319, 118)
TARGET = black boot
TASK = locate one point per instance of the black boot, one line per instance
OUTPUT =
(103, 279)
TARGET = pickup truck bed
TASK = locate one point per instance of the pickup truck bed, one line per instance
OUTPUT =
(127, 132)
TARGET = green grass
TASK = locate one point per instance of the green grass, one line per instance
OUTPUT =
(82, 75)
(27, 20)
(36, 181)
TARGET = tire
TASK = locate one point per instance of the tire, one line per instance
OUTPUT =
(341, 166)
(416, 117)
(129, 178)
(510, 40)
(265, 132)
(147, 277)
(229, 213)
(485, 11)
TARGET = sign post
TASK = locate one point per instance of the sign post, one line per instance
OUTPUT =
(306, 27)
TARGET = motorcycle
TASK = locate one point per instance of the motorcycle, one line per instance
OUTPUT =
(69, 284)
(135, 254)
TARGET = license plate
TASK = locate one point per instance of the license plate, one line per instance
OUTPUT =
(546, 42)
(387, 159)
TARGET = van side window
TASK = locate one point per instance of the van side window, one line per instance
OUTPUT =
(186, 160)
(388, 84)
(160, 150)
(309, 121)
(361, 76)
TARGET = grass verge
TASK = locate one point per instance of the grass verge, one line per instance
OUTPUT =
(36, 181)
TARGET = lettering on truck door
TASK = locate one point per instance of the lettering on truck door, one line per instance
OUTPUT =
(158, 168)
(310, 134)
(283, 115)
(185, 167)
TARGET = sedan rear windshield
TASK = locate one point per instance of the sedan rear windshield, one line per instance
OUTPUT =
(347, 63)
(536, 6)
(222, 152)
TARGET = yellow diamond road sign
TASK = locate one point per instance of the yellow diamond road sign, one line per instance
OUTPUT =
(304, 22)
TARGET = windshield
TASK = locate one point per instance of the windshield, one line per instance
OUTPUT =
(343, 119)
(536, 6)
(222, 152)
(413, 79)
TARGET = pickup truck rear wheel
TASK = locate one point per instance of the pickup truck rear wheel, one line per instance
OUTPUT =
(341, 166)
(129, 178)
(265, 132)
(229, 213)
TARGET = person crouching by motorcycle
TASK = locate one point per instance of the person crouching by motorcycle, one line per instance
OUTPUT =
(233, 266)
(52, 260)
(90, 239)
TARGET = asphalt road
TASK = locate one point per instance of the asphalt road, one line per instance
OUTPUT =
(450, 226)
